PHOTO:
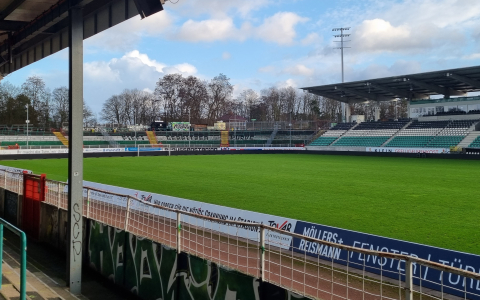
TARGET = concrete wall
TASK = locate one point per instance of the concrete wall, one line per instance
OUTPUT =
(151, 270)
(154, 271)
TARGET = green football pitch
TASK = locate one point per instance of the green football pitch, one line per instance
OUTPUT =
(428, 201)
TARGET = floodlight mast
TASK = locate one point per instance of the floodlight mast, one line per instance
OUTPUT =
(342, 46)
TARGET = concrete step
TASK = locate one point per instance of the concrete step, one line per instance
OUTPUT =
(396, 133)
(344, 134)
(49, 267)
(469, 139)
(36, 289)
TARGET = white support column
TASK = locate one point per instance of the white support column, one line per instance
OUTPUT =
(75, 154)
(262, 253)
(348, 112)
(377, 112)
(179, 233)
(408, 280)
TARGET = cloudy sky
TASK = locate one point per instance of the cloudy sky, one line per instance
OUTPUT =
(260, 43)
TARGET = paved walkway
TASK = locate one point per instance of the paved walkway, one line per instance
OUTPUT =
(46, 273)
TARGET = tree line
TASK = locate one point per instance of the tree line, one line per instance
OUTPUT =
(179, 98)
(46, 109)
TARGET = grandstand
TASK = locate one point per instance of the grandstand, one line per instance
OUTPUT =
(370, 134)
(123, 138)
(402, 133)
(432, 122)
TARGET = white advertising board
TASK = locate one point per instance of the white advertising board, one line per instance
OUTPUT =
(33, 151)
(409, 150)
(205, 209)
(14, 170)
(98, 150)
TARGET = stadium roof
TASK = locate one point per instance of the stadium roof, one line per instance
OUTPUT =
(453, 82)
(31, 29)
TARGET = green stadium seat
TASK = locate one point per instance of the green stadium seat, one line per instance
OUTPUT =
(410, 141)
(323, 141)
(445, 141)
(353, 141)
(475, 143)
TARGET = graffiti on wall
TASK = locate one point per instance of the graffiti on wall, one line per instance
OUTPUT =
(49, 229)
(154, 271)
(11, 207)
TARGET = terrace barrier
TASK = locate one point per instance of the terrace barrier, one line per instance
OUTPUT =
(265, 253)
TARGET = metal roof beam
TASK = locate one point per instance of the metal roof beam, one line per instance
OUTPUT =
(328, 95)
(11, 25)
(13, 6)
(447, 92)
(397, 92)
(367, 96)
(473, 82)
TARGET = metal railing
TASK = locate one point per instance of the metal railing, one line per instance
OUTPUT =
(23, 256)
(313, 268)
(11, 181)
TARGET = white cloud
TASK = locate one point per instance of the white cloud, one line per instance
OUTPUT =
(441, 13)
(472, 56)
(378, 35)
(101, 70)
(280, 28)
(287, 83)
(218, 8)
(133, 70)
(126, 35)
(144, 59)
(185, 69)
(210, 30)
(312, 38)
(298, 70)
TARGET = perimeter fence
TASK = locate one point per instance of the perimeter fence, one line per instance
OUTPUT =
(267, 252)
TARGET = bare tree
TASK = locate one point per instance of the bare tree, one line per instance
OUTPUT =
(195, 95)
(168, 91)
(88, 116)
(112, 109)
(60, 105)
(34, 88)
(250, 99)
(220, 91)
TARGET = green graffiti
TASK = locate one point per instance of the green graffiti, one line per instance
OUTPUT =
(154, 271)
(106, 251)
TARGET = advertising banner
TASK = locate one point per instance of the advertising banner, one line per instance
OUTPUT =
(194, 149)
(98, 150)
(133, 149)
(180, 126)
(390, 267)
(205, 209)
(32, 151)
(17, 173)
(409, 150)
(261, 148)
(14, 170)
